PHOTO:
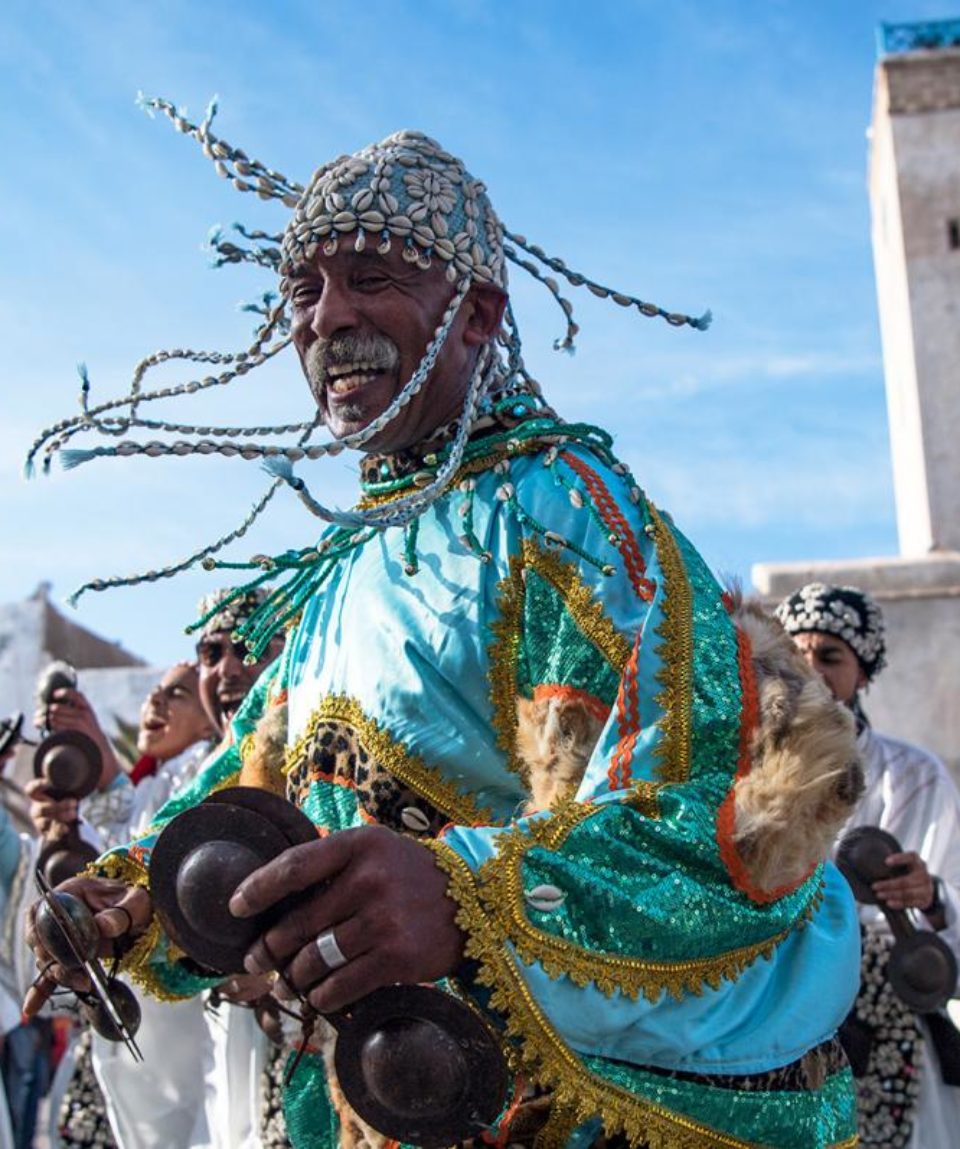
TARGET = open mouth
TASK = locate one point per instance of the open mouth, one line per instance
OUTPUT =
(345, 378)
(153, 724)
(230, 706)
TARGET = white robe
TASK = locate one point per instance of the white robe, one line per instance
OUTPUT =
(161, 1103)
(910, 795)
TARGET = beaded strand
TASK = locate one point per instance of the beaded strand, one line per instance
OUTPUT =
(406, 189)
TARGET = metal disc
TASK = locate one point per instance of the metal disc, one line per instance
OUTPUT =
(922, 971)
(292, 822)
(861, 858)
(70, 762)
(420, 1066)
(65, 858)
(198, 861)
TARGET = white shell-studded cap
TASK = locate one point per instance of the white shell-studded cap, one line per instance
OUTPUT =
(405, 189)
(225, 609)
(845, 611)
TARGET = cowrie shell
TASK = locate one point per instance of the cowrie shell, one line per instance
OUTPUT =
(545, 898)
(414, 819)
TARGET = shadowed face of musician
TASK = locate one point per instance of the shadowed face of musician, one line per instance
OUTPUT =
(834, 661)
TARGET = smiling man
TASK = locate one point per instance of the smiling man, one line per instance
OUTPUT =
(500, 568)
(226, 675)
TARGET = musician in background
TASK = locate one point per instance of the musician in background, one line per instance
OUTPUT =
(25, 1049)
(902, 1099)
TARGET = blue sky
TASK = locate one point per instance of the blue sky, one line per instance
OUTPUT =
(701, 154)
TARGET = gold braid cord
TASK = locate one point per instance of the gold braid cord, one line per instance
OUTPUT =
(543, 1057)
(500, 889)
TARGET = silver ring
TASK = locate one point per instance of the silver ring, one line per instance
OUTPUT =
(331, 953)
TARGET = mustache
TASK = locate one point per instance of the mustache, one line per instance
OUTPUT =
(375, 350)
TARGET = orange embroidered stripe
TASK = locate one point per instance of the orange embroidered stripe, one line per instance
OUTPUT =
(590, 702)
(727, 814)
(628, 721)
(617, 524)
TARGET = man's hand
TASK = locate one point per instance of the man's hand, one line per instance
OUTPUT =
(47, 812)
(380, 895)
(70, 710)
(912, 890)
(245, 988)
(119, 911)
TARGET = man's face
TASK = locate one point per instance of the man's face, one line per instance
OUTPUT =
(172, 718)
(361, 323)
(834, 661)
(224, 677)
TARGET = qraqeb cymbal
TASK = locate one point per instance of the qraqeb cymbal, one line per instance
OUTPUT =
(415, 1062)
(203, 855)
(420, 1066)
(70, 762)
(921, 968)
(65, 857)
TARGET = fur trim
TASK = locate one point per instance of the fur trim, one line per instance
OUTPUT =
(263, 762)
(555, 738)
(805, 773)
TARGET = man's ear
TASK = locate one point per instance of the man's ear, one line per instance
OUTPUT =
(485, 305)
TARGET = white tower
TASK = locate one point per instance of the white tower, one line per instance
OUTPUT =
(914, 180)
(915, 202)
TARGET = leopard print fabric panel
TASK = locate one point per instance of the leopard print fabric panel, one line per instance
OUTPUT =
(337, 754)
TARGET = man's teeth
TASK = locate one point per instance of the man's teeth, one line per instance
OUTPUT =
(347, 376)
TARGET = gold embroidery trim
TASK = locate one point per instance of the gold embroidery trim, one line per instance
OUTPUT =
(504, 653)
(542, 1054)
(246, 746)
(584, 607)
(502, 893)
(645, 797)
(585, 610)
(559, 1127)
(676, 654)
(424, 780)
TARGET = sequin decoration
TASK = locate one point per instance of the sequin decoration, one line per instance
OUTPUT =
(657, 879)
(311, 1119)
(624, 1097)
(551, 629)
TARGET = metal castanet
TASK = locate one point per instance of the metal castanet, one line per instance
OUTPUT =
(921, 968)
(415, 1062)
(66, 927)
(419, 1065)
(70, 764)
